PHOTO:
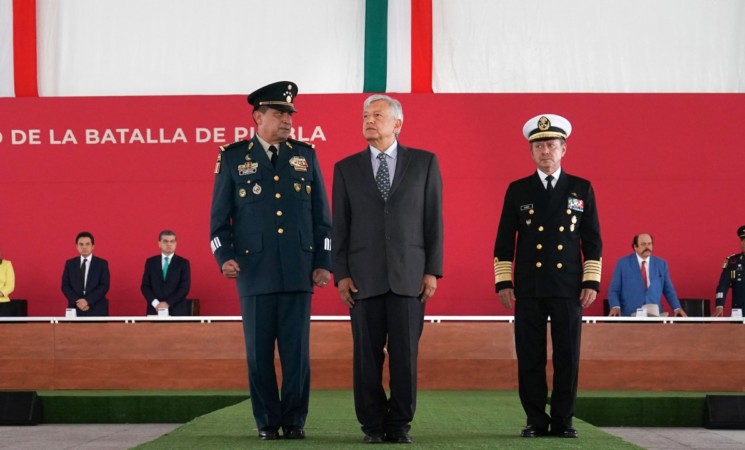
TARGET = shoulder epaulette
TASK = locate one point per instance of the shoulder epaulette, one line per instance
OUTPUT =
(302, 143)
(232, 145)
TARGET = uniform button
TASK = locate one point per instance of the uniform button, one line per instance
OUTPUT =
(247, 252)
(538, 264)
(561, 228)
(279, 213)
(277, 195)
(540, 228)
(569, 211)
(559, 265)
(539, 246)
(281, 230)
(276, 177)
(560, 247)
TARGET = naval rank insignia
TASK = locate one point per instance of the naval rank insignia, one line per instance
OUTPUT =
(299, 163)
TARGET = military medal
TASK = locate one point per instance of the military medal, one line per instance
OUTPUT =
(571, 227)
(296, 186)
(528, 222)
(299, 163)
(574, 220)
(241, 192)
(257, 189)
(307, 188)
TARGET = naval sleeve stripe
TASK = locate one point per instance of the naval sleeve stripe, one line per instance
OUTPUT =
(215, 244)
(327, 244)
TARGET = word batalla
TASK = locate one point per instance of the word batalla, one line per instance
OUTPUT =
(95, 136)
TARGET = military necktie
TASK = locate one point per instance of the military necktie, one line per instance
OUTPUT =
(165, 266)
(273, 150)
(383, 178)
(549, 186)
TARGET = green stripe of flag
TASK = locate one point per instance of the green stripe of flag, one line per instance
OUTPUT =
(376, 45)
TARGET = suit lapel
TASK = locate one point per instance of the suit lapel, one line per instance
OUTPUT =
(365, 169)
(285, 153)
(401, 163)
(259, 155)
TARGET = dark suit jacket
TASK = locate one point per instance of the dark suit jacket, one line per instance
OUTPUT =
(172, 290)
(390, 245)
(627, 289)
(96, 287)
(555, 243)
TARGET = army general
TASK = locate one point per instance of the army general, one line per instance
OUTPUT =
(271, 230)
(552, 218)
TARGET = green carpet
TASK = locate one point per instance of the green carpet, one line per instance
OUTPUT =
(444, 419)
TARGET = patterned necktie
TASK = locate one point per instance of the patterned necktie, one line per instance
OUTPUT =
(644, 274)
(273, 150)
(165, 266)
(82, 273)
(383, 178)
(549, 186)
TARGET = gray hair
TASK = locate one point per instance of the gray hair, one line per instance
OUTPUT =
(396, 110)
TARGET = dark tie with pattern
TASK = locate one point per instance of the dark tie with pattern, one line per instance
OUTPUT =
(273, 150)
(549, 186)
(82, 273)
(383, 178)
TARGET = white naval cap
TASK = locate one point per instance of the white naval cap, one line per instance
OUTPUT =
(547, 126)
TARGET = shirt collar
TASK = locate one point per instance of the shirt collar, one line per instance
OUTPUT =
(391, 151)
(556, 175)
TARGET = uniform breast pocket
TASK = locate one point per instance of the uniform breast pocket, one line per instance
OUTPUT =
(249, 244)
(302, 185)
(249, 189)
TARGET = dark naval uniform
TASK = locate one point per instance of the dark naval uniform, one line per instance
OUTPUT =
(732, 276)
(275, 223)
(552, 234)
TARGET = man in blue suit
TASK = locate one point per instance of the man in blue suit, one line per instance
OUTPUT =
(85, 280)
(167, 278)
(270, 230)
(639, 279)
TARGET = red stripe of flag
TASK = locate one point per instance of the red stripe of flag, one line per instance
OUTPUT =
(24, 48)
(421, 45)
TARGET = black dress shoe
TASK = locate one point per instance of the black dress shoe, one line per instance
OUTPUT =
(268, 434)
(567, 432)
(294, 433)
(533, 431)
(373, 438)
(398, 438)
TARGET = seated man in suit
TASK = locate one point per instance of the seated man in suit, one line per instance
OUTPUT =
(85, 280)
(167, 278)
(639, 279)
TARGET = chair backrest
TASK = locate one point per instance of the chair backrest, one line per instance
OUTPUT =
(696, 307)
(192, 306)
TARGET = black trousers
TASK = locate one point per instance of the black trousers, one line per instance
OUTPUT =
(531, 316)
(393, 323)
(284, 319)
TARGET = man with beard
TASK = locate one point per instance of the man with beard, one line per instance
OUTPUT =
(640, 279)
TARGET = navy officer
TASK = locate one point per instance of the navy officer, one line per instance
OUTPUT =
(270, 229)
(549, 227)
(732, 275)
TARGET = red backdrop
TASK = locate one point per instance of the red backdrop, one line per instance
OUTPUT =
(659, 163)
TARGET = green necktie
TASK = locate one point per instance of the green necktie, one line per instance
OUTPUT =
(165, 266)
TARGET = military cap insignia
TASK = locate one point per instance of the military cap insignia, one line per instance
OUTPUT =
(543, 123)
(299, 163)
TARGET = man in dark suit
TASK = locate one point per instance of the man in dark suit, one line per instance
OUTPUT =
(85, 280)
(388, 246)
(640, 279)
(167, 278)
(271, 230)
(553, 217)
